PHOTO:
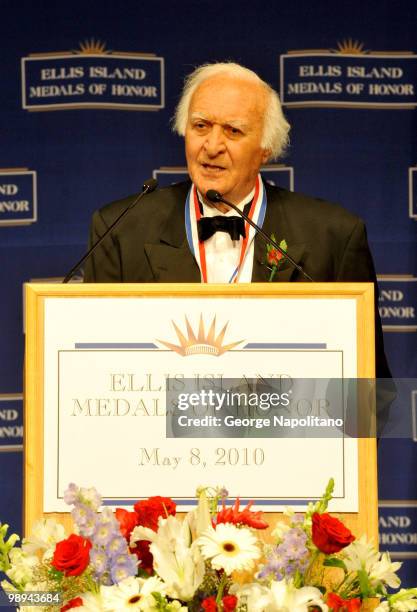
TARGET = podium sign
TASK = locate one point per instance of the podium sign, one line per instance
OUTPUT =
(103, 361)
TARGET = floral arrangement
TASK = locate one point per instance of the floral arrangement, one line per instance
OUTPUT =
(149, 559)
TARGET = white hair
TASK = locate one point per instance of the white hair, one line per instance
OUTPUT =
(276, 127)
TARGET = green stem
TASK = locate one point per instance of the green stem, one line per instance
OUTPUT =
(273, 272)
(222, 584)
(309, 571)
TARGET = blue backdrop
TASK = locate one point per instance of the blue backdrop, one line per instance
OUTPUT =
(78, 130)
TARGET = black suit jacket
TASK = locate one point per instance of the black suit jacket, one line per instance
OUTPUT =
(150, 244)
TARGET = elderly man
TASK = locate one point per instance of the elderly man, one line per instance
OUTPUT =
(233, 123)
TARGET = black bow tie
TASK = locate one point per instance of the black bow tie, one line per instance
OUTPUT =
(207, 226)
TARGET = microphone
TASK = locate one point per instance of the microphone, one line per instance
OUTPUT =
(214, 196)
(147, 187)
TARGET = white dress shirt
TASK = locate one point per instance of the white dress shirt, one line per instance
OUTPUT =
(223, 253)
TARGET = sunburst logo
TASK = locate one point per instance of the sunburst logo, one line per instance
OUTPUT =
(92, 47)
(350, 47)
(200, 343)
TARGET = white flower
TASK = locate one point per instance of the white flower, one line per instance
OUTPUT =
(361, 554)
(176, 559)
(403, 601)
(384, 571)
(379, 567)
(176, 606)
(254, 596)
(22, 565)
(229, 547)
(280, 597)
(45, 534)
(92, 602)
(280, 530)
(383, 607)
(286, 598)
(142, 533)
(132, 594)
(202, 514)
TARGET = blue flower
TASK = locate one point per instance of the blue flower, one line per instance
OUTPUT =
(116, 546)
(125, 566)
(103, 533)
(99, 561)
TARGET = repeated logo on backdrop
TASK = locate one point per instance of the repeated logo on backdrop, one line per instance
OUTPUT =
(397, 303)
(349, 76)
(398, 529)
(92, 77)
(11, 422)
(18, 202)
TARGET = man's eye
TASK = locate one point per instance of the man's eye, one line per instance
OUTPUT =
(233, 131)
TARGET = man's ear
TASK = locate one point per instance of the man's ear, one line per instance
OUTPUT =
(266, 156)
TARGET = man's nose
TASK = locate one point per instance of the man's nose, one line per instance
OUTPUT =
(215, 144)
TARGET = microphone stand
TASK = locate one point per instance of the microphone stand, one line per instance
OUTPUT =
(214, 196)
(147, 187)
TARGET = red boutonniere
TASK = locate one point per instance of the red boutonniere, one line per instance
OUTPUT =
(274, 258)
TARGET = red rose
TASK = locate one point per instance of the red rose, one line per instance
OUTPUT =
(73, 603)
(229, 603)
(337, 604)
(274, 256)
(72, 555)
(127, 521)
(209, 604)
(329, 534)
(241, 517)
(149, 510)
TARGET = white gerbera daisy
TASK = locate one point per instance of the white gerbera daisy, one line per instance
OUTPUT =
(132, 594)
(229, 548)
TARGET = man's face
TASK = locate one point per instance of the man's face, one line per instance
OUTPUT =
(223, 136)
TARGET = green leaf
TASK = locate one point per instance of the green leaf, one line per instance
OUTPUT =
(160, 601)
(364, 584)
(55, 574)
(335, 562)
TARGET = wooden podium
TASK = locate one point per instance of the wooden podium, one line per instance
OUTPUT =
(85, 344)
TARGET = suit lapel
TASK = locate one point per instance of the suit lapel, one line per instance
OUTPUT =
(171, 259)
(275, 223)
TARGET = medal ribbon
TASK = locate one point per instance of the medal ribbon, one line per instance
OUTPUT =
(193, 214)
